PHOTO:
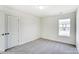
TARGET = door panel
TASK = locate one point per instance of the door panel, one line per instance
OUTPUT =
(12, 31)
(2, 31)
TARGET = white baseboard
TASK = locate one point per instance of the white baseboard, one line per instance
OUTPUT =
(1, 51)
(57, 41)
(29, 40)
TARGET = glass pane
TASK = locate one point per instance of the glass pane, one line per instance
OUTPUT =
(64, 27)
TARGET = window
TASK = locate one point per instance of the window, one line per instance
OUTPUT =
(64, 27)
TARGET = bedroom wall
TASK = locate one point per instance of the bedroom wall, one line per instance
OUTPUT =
(29, 28)
(49, 28)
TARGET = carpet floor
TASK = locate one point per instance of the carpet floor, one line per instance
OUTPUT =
(42, 46)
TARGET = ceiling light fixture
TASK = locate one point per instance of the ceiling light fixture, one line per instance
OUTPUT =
(41, 7)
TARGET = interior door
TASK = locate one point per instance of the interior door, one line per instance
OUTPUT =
(12, 31)
(2, 31)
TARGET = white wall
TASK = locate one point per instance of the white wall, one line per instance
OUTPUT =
(49, 28)
(29, 28)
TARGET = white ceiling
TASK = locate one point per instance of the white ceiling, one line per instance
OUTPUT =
(46, 11)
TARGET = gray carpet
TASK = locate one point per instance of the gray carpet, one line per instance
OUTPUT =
(42, 46)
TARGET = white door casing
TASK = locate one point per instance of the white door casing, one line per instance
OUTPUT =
(77, 30)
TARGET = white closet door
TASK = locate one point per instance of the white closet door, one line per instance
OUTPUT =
(12, 31)
(2, 31)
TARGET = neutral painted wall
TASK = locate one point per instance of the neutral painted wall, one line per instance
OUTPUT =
(29, 28)
(49, 28)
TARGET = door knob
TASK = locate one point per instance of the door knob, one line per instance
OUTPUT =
(7, 33)
(3, 34)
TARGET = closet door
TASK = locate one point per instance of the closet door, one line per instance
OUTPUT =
(2, 31)
(12, 31)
